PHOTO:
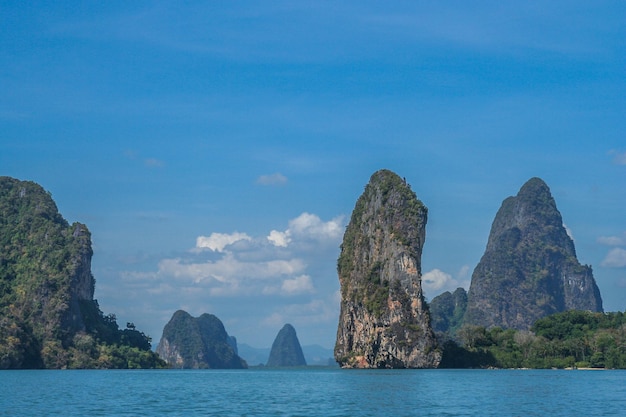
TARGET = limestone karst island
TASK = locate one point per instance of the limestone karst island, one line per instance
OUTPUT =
(384, 321)
(530, 304)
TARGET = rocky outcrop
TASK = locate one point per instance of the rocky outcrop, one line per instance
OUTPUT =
(384, 321)
(447, 311)
(286, 349)
(198, 343)
(48, 317)
(529, 269)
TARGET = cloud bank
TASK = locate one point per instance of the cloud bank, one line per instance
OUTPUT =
(616, 258)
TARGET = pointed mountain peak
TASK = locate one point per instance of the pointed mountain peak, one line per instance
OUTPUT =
(286, 349)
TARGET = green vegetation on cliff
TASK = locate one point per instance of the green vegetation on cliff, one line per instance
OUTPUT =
(447, 311)
(386, 203)
(384, 320)
(569, 339)
(48, 318)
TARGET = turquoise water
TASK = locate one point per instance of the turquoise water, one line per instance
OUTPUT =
(313, 392)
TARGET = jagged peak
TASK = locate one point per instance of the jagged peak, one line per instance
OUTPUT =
(535, 186)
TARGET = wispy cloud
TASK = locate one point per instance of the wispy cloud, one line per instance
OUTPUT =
(612, 240)
(153, 163)
(616, 258)
(619, 158)
(319, 310)
(293, 286)
(133, 155)
(272, 179)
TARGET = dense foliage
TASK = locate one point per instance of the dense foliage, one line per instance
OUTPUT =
(569, 339)
(447, 311)
(48, 318)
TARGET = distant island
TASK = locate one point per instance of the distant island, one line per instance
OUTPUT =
(286, 349)
(531, 304)
(198, 343)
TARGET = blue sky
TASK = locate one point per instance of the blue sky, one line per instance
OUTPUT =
(216, 149)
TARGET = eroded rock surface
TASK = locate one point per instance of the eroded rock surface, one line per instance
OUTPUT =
(529, 269)
(384, 321)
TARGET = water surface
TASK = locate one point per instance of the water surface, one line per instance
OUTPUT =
(313, 392)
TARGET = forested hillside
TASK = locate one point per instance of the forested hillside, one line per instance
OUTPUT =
(48, 317)
(572, 339)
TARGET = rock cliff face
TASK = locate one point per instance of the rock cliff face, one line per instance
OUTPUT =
(529, 269)
(384, 321)
(286, 349)
(198, 343)
(48, 317)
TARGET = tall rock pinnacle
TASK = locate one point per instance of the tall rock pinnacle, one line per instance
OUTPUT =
(384, 321)
(529, 269)
(286, 349)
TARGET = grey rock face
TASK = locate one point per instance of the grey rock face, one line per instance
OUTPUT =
(529, 269)
(286, 349)
(197, 343)
(384, 321)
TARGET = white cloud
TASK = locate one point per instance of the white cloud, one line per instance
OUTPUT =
(292, 286)
(612, 240)
(308, 227)
(280, 239)
(218, 241)
(229, 269)
(247, 278)
(311, 226)
(275, 319)
(436, 281)
(616, 258)
(298, 285)
(569, 232)
(272, 179)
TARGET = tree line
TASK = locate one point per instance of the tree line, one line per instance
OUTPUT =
(571, 339)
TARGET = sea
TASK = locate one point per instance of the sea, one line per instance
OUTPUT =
(313, 391)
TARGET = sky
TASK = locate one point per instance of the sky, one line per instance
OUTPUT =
(215, 150)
